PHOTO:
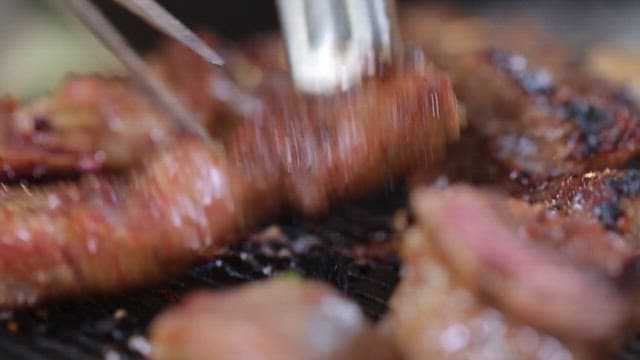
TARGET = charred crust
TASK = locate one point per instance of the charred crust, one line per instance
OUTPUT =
(605, 195)
(595, 122)
(608, 213)
(533, 82)
(590, 119)
(627, 184)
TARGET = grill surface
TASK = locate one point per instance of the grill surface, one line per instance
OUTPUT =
(113, 327)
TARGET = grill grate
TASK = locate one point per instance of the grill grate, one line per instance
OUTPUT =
(113, 327)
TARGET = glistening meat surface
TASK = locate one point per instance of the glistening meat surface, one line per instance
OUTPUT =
(542, 128)
(89, 124)
(274, 319)
(610, 196)
(495, 277)
(435, 315)
(526, 127)
(190, 200)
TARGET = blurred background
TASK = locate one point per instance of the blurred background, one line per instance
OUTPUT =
(40, 43)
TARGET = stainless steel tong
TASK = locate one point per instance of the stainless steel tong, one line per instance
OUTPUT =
(331, 44)
(158, 17)
(101, 27)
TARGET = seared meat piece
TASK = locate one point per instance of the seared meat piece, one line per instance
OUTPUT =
(333, 139)
(536, 115)
(541, 128)
(436, 316)
(92, 123)
(610, 196)
(275, 319)
(491, 277)
(89, 124)
(190, 200)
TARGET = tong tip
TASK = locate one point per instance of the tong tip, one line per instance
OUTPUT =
(158, 17)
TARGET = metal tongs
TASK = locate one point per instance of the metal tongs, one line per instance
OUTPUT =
(331, 44)
(91, 16)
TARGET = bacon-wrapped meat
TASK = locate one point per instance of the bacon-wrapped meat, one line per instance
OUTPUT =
(535, 127)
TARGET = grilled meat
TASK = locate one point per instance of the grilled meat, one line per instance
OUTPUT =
(484, 276)
(273, 319)
(534, 113)
(92, 124)
(88, 125)
(610, 196)
(190, 200)
(541, 128)
(492, 277)
(435, 315)
(99, 236)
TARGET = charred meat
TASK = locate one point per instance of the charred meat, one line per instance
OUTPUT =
(610, 196)
(541, 128)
